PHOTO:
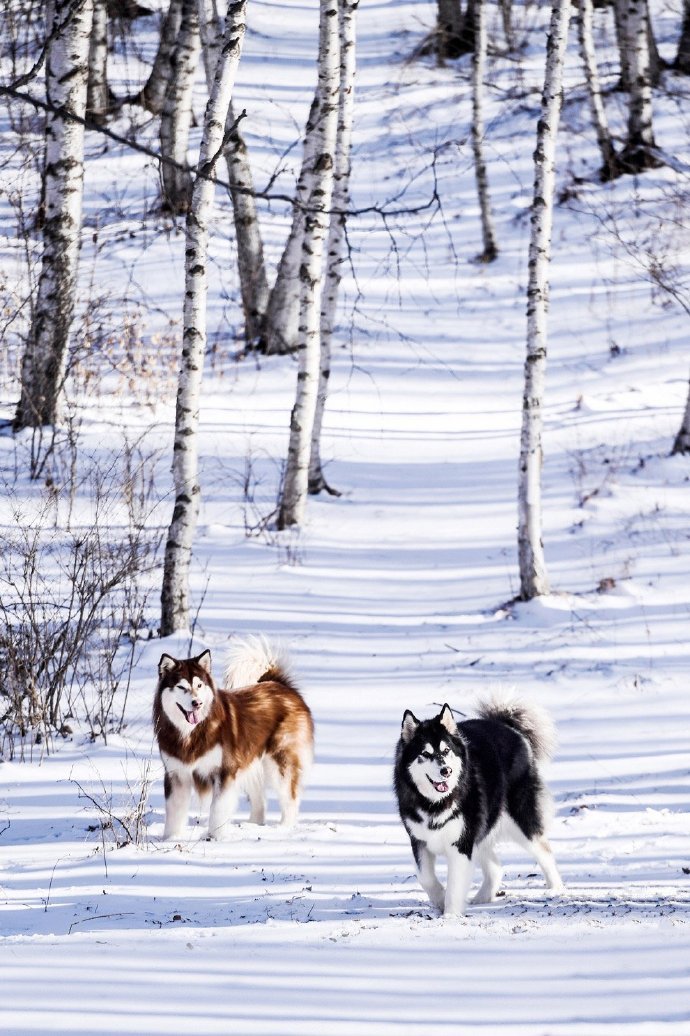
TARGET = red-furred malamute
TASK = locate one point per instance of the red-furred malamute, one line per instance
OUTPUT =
(228, 742)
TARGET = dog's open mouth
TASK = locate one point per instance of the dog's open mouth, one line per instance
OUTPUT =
(441, 786)
(192, 716)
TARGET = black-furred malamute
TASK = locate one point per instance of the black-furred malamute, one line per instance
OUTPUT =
(463, 787)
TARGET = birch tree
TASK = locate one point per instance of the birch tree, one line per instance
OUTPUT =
(98, 95)
(152, 96)
(347, 12)
(178, 549)
(176, 117)
(610, 167)
(296, 480)
(533, 575)
(45, 355)
(282, 311)
(638, 152)
(490, 250)
(250, 253)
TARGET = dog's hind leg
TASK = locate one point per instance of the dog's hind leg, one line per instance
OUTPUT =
(492, 872)
(255, 787)
(543, 854)
(284, 774)
(528, 815)
(537, 846)
(426, 872)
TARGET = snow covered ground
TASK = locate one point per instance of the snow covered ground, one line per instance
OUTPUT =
(396, 595)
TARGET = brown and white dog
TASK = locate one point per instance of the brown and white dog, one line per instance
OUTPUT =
(228, 742)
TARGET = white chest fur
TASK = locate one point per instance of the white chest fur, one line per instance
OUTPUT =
(439, 837)
(203, 767)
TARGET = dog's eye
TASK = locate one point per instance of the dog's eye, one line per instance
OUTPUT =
(445, 752)
(424, 757)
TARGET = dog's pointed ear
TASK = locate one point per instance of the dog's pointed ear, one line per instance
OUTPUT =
(204, 660)
(409, 725)
(447, 720)
(166, 663)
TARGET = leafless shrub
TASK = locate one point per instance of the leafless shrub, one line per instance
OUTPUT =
(72, 604)
(121, 820)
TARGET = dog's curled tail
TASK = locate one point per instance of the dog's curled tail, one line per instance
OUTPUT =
(253, 660)
(530, 720)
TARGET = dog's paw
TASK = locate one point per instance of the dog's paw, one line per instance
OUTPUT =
(453, 914)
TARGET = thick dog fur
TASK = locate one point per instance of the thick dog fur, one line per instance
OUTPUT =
(461, 788)
(228, 742)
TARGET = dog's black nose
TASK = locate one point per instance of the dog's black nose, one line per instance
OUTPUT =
(445, 771)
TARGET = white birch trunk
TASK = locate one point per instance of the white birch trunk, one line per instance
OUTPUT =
(296, 481)
(610, 167)
(176, 118)
(282, 313)
(153, 95)
(533, 575)
(347, 12)
(178, 550)
(45, 355)
(638, 152)
(490, 250)
(98, 95)
(250, 252)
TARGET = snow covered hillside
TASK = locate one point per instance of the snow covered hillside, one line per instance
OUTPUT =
(394, 595)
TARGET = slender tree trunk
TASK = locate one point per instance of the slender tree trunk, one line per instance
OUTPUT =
(656, 64)
(45, 355)
(506, 7)
(282, 312)
(178, 550)
(610, 167)
(533, 575)
(490, 250)
(176, 118)
(98, 96)
(152, 97)
(250, 252)
(620, 20)
(638, 152)
(454, 30)
(295, 483)
(250, 249)
(347, 12)
(682, 440)
(682, 62)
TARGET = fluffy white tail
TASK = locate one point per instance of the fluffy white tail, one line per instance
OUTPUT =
(254, 658)
(532, 721)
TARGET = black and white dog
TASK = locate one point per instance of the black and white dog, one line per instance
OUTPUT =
(463, 787)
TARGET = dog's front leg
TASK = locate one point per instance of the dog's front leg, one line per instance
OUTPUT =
(223, 808)
(426, 872)
(178, 790)
(459, 880)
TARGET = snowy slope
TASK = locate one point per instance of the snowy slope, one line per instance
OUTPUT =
(395, 595)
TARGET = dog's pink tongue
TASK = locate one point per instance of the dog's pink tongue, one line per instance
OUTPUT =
(441, 786)
(193, 717)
